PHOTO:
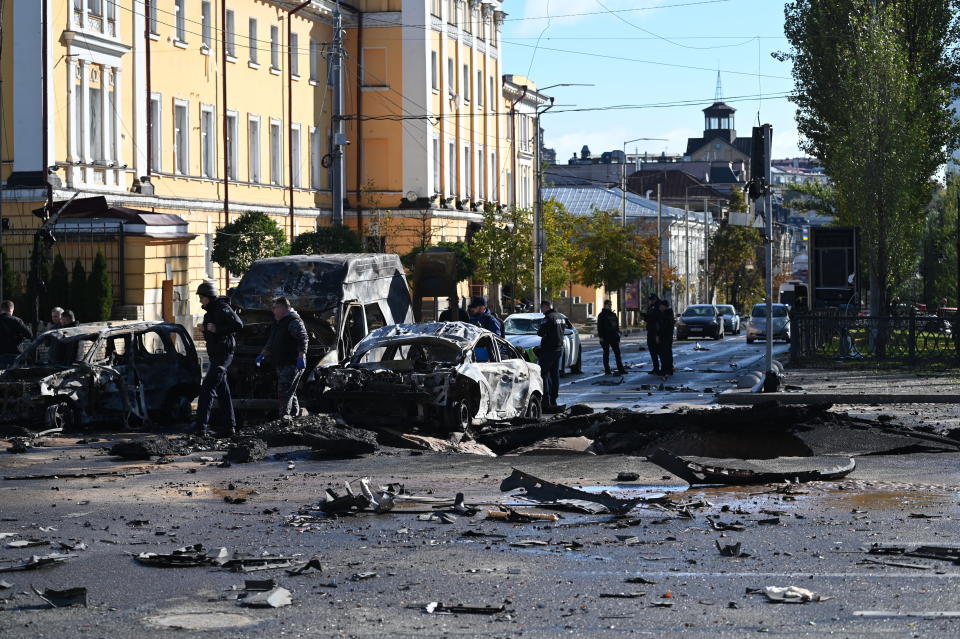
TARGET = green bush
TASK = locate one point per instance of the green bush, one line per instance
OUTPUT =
(327, 239)
(77, 295)
(251, 237)
(100, 290)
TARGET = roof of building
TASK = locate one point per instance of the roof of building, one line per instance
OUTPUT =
(744, 145)
(584, 174)
(583, 200)
(675, 183)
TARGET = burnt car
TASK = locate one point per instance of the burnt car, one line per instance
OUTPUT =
(340, 297)
(114, 373)
(450, 374)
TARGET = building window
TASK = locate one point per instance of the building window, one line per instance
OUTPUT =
(452, 12)
(494, 32)
(466, 83)
(295, 54)
(95, 7)
(253, 148)
(156, 139)
(96, 124)
(436, 164)
(434, 72)
(481, 175)
(208, 141)
(181, 20)
(153, 17)
(466, 24)
(276, 153)
(252, 39)
(232, 145)
(206, 25)
(314, 61)
(275, 47)
(231, 33)
(494, 178)
(492, 96)
(479, 89)
(315, 157)
(485, 27)
(181, 139)
(374, 63)
(467, 175)
(451, 77)
(451, 169)
(295, 154)
(435, 8)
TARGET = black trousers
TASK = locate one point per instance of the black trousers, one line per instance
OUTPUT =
(215, 405)
(665, 352)
(654, 349)
(607, 346)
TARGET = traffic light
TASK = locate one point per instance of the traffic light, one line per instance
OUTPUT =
(760, 162)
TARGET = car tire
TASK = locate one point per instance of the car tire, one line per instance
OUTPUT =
(457, 415)
(577, 368)
(535, 407)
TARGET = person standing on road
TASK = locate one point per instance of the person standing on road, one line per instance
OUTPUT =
(13, 332)
(220, 322)
(287, 347)
(55, 314)
(650, 316)
(551, 354)
(480, 315)
(665, 321)
(68, 319)
(608, 330)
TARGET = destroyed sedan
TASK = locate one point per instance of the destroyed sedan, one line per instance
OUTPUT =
(448, 374)
(113, 373)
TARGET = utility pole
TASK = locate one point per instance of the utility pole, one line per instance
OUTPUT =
(659, 245)
(290, 158)
(339, 137)
(768, 219)
(538, 219)
(686, 253)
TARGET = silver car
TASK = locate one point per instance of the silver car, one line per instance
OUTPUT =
(780, 328)
(520, 329)
(731, 321)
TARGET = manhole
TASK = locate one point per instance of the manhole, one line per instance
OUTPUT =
(202, 621)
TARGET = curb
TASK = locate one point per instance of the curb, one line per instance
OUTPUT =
(750, 399)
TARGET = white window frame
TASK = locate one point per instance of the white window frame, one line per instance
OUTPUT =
(435, 150)
(479, 89)
(314, 61)
(181, 137)
(465, 170)
(254, 150)
(435, 71)
(451, 168)
(206, 25)
(494, 182)
(466, 82)
(181, 21)
(208, 141)
(492, 96)
(231, 28)
(481, 174)
(95, 133)
(295, 55)
(233, 132)
(296, 145)
(274, 47)
(252, 42)
(275, 140)
(316, 154)
(451, 77)
(156, 106)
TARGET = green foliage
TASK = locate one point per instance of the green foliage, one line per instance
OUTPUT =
(873, 89)
(734, 268)
(77, 295)
(503, 249)
(737, 202)
(558, 229)
(938, 257)
(327, 239)
(813, 196)
(58, 286)
(99, 290)
(251, 237)
(610, 255)
(466, 266)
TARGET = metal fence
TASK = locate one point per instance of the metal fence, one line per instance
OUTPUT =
(823, 337)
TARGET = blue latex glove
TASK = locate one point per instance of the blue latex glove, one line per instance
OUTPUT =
(260, 359)
(301, 363)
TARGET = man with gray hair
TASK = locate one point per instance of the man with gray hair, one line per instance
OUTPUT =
(287, 347)
(13, 332)
(54, 324)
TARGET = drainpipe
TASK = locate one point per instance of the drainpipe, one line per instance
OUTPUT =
(147, 10)
(290, 13)
(45, 108)
(223, 126)
(359, 121)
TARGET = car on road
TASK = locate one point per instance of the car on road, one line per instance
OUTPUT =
(780, 328)
(446, 374)
(520, 329)
(700, 320)
(731, 320)
(110, 373)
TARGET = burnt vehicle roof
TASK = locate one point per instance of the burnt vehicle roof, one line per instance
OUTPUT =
(108, 328)
(460, 332)
(319, 282)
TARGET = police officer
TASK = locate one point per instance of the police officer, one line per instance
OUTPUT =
(220, 322)
(13, 332)
(608, 330)
(480, 315)
(665, 321)
(650, 316)
(551, 354)
(287, 347)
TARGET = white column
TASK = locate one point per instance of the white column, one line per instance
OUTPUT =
(139, 83)
(84, 132)
(106, 121)
(83, 14)
(72, 124)
(117, 104)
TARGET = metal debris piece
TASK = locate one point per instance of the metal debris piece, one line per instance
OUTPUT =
(37, 562)
(511, 515)
(439, 608)
(791, 594)
(639, 580)
(313, 564)
(481, 534)
(622, 595)
(627, 476)
(446, 446)
(259, 584)
(731, 550)
(540, 490)
(926, 551)
(275, 598)
(253, 564)
(5, 585)
(28, 543)
(716, 524)
(361, 576)
(707, 470)
(186, 557)
(63, 598)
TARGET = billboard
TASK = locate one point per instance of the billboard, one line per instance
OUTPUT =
(834, 267)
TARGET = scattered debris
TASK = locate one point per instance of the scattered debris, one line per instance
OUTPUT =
(90, 475)
(63, 598)
(731, 550)
(639, 580)
(146, 448)
(557, 446)
(362, 576)
(789, 594)
(18, 446)
(925, 551)
(254, 564)
(627, 476)
(447, 446)
(186, 557)
(37, 562)
(921, 614)
(312, 565)
(28, 543)
(511, 515)
(547, 493)
(435, 607)
(246, 450)
(706, 470)
(275, 598)
(622, 595)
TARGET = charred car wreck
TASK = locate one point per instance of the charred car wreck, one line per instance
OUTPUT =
(450, 374)
(102, 374)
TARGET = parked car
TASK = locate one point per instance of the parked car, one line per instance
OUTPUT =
(731, 320)
(102, 373)
(520, 329)
(700, 320)
(451, 374)
(758, 323)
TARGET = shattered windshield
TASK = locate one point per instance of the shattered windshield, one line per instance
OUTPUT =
(522, 325)
(50, 350)
(412, 350)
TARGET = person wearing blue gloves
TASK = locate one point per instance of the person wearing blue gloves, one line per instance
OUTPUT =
(287, 348)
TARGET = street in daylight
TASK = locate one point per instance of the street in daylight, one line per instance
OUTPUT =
(479, 318)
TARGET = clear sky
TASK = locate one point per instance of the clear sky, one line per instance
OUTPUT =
(651, 52)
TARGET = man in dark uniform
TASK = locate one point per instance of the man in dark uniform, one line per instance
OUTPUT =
(68, 319)
(665, 321)
(551, 354)
(287, 347)
(480, 315)
(650, 316)
(220, 322)
(13, 332)
(608, 330)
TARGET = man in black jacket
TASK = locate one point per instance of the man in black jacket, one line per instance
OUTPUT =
(665, 322)
(650, 316)
(287, 347)
(13, 332)
(220, 322)
(551, 354)
(608, 330)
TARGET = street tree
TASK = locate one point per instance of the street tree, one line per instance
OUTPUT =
(251, 237)
(733, 259)
(558, 231)
(99, 290)
(464, 262)
(610, 255)
(337, 238)
(873, 82)
(938, 255)
(813, 196)
(77, 299)
(503, 249)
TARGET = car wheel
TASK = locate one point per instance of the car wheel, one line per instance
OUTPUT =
(61, 415)
(457, 415)
(577, 368)
(535, 407)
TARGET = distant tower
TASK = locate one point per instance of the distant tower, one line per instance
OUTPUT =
(718, 94)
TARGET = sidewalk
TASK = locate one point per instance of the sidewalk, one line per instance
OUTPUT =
(839, 386)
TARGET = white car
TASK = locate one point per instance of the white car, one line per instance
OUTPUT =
(452, 374)
(520, 329)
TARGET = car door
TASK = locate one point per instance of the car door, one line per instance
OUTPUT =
(514, 384)
(486, 357)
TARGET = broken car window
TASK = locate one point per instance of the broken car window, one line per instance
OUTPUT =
(484, 350)
(151, 343)
(178, 344)
(427, 351)
(375, 317)
(507, 351)
(522, 325)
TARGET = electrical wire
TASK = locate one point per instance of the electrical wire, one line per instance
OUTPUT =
(660, 37)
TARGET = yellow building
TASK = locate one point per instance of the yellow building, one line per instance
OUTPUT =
(206, 109)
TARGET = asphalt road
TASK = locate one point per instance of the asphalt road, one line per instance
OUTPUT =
(715, 367)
